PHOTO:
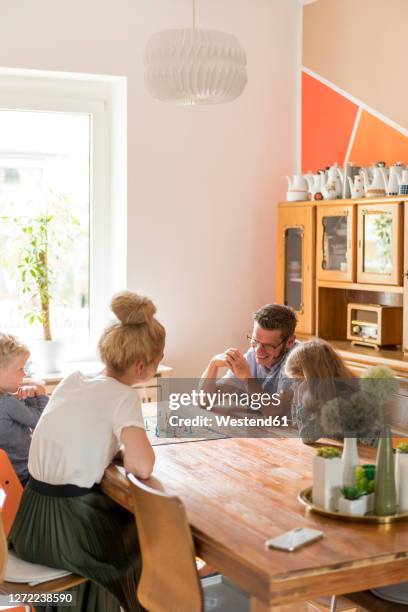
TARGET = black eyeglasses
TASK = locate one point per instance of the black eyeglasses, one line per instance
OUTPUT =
(268, 348)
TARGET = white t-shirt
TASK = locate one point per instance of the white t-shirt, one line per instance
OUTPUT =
(78, 433)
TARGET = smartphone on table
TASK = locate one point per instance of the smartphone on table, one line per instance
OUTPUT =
(294, 539)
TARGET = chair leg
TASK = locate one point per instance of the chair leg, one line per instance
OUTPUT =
(333, 604)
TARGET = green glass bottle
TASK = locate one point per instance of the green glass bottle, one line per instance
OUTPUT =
(385, 499)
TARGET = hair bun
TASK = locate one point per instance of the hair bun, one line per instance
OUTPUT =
(132, 309)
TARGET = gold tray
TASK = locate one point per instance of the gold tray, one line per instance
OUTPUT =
(305, 498)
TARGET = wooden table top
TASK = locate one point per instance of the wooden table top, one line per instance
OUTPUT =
(239, 492)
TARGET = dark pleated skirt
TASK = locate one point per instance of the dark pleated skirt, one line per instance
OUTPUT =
(89, 535)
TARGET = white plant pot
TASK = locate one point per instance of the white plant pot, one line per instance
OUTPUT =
(327, 480)
(401, 480)
(356, 507)
(50, 355)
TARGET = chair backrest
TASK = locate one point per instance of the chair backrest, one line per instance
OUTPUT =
(3, 539)
(13, 489)
(169, 581)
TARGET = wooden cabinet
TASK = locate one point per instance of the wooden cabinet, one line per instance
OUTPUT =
(405, 277)
(379, 253)
(335, 247)
(340, 252)
(296, 249)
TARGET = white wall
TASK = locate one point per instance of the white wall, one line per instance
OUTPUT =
(202, 181)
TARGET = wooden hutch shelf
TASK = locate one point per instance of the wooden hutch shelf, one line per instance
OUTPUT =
(359, 286)
(338, 252)
(358, 358)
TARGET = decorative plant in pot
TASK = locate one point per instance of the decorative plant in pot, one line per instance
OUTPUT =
(42, 241)
(327, 477)
(362, 414)
(358, 499)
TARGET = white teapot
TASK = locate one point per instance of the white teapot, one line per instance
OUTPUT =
(377, 186)
(356, 188)
(403, 183)
(393, 180)
(298, 188)
(314, 182)
(333, 186)
(297, 182)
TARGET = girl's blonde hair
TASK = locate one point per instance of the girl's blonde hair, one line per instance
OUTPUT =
(10, 347)
(323, 369)
(137, 336)
(316, 359)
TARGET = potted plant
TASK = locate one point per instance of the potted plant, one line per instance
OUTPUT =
(401, 476)
(365, 479)
(353, 501)
(327, 477)
(43, 240)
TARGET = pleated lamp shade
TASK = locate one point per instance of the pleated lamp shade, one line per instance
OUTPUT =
(190, 66)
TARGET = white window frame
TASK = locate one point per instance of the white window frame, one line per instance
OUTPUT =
(105, 102)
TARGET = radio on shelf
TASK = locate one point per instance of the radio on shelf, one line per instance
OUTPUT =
(374, 325)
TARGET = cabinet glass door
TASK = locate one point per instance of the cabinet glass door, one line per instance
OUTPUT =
(335, 243)
(377, 239)
(378, 244)
(293, 295)
(296, 262)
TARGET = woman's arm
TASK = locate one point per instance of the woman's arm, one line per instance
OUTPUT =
(138, 454)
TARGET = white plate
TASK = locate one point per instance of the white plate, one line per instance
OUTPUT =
(397, 593)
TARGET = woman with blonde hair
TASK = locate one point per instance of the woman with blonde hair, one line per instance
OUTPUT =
(321, 376)
(64, 520)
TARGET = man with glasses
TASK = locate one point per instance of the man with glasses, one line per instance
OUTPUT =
(261, 368)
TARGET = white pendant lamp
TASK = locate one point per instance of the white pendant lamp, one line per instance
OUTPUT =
(191, 66)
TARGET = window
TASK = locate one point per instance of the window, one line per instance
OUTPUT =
(55, 160)
(45, 165)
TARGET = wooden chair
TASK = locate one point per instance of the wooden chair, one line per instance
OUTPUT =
(13, 489)
(8, 588)
(169, 581)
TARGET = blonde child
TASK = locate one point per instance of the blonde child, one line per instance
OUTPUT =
(20, 405)
(321, 376)
(64, 520)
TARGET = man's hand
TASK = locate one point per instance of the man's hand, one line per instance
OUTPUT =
(30, 391)
(219, 361)
(237, 363)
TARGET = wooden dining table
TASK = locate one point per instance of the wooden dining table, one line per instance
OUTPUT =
(240, 492)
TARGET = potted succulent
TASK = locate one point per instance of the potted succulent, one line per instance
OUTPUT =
(401, 476)
(365, 482)
(43, 241)
(327, 477)
(353, 501)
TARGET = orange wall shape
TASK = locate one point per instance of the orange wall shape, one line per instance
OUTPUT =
(377, 141)
(362, 47)
(327, 123)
